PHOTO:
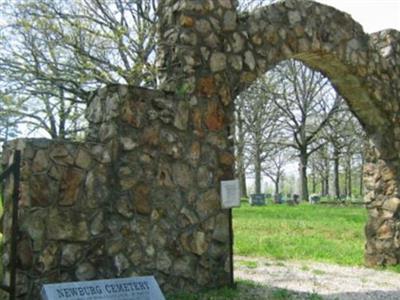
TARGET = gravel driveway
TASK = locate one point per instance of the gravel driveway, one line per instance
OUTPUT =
(326, 280)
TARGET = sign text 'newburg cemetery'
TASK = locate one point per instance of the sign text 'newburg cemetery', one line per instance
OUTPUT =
(230, 193)
(135, 288)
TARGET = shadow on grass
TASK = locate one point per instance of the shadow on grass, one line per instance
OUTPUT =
(245, 290)
(248, 290)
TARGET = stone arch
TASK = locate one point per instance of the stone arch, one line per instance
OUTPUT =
(144, 188)
(363, 68)
(331, 42)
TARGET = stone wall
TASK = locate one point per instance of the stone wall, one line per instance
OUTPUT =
(141, 195)
(138, 198)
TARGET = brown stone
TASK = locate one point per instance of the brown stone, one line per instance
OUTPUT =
(225, 95)
(151, 136)
(392, 204)
(195, 151)
(133, 113)
(41, 190)
(214, 118)
(197, 122)
(227, 159)
(25, 252)
(40, 162)
(142, 199)
(71, 184)
(385, 232)
(208, 203)
(186, 21)
(206, 86)
(164, 175)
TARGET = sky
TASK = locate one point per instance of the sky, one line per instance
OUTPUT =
(373, 15)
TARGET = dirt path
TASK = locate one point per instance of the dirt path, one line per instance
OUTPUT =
(306, 279)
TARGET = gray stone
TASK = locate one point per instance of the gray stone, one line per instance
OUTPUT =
(221, 231)
(85, 271)
(182, 175)
(70, 254)
(249, 60)
(121, 263)
(199, 243)
(237, 43)
(97, 225)
(236, 62)
(164, 262)
(217, 62)
(128, 144)
(83, 159)
(182, 115)
(229, 21)
(203, 26)
(67, 225)
(294, 17)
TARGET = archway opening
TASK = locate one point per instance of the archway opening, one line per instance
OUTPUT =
(300, 149)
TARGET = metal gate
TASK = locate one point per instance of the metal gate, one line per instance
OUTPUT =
(13, 170)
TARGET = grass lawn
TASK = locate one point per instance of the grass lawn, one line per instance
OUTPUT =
(305, 232)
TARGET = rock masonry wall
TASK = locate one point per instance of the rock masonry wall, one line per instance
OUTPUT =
(141, 195)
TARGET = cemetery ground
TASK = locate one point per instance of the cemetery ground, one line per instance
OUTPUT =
(300, 252)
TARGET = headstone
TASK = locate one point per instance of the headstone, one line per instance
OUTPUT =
(278, 198)
(296, 198)
(133, 288)
(230, 193)
(314, 198)
(257, 199)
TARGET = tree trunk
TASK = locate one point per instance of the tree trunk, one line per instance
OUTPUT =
(326, 177)
(257, 168)
(241, 172)
(336, 173)
(361, 186)
(323, 193)
(242, 183)
(303, 176)
(276, 182)
(349, 182)
(313, 183)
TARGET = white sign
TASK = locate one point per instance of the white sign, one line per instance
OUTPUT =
(134, 288)
(230, 193)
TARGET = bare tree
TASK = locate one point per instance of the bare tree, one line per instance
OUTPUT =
(53, 52)
(240, 148)
(345, 135)
(306, 103)
(261, 123)
(274, 167)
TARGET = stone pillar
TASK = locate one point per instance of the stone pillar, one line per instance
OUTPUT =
(194, 56)
(381, 181)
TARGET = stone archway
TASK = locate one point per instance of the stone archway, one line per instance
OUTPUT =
(141, 196)
(217, 53)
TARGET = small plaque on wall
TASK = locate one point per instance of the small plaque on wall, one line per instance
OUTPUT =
(230, 193)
